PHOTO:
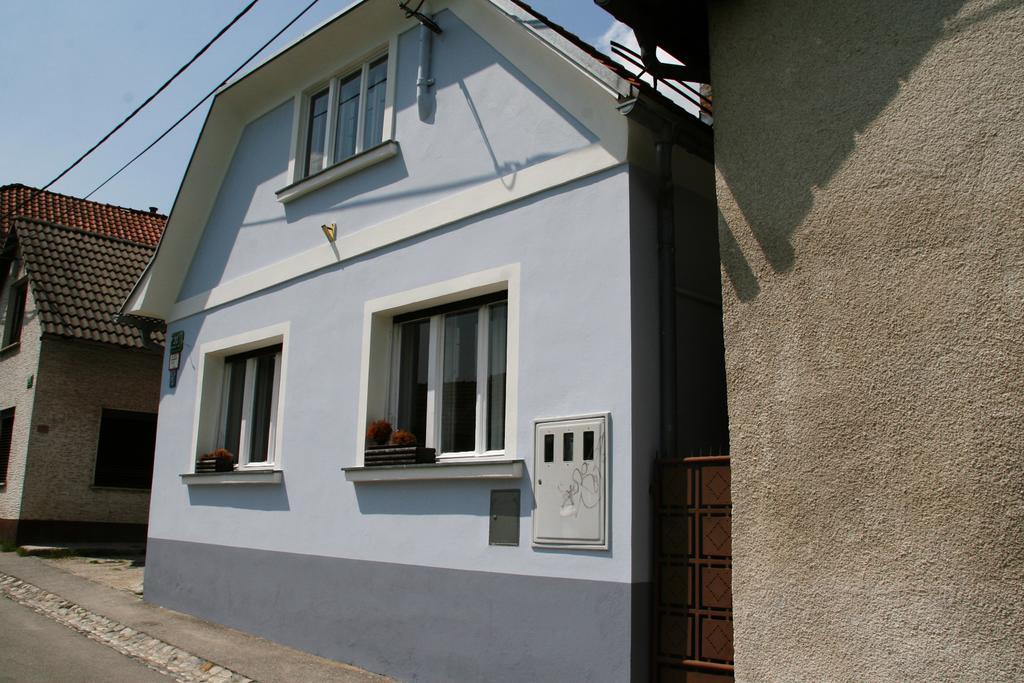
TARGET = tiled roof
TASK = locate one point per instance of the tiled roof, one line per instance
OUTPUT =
(79, 280)
(606, 61)
(106, 219)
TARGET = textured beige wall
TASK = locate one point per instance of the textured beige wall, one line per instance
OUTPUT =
(76, 381)
(870, 170)
(17, 364)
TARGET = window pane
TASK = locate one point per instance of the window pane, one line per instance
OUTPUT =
(376, 88)
(263, 394)
(497, 334)
(233, 419)
(413, 364)
(348, 118)
(458, 409)
(316, 137)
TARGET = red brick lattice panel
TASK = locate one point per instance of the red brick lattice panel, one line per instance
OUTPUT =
(693, 570)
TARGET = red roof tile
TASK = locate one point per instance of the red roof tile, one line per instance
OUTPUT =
(105, 219)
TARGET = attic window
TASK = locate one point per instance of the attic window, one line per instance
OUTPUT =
(348, 115)
(15, 317)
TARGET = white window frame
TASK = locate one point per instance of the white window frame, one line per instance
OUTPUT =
(301, 129)
(378, 374)
(212, 395)
(435, 381)
(244, 447)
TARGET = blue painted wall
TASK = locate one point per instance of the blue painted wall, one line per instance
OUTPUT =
(490, 120)
(571, 244)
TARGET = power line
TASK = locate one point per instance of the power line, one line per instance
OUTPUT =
(206, 97)
(139, 108)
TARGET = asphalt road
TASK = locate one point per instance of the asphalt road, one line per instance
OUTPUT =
(35, 648)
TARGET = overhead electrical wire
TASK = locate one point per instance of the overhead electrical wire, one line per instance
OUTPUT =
(139, 108)
(206, 97)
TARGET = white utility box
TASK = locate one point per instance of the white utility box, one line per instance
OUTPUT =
(570, 482)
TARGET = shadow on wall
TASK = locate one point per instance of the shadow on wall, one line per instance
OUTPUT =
(264, 498)
(789, 103)
(452, 497)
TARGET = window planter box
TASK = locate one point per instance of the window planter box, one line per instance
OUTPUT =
(378, 456)
(213, 466)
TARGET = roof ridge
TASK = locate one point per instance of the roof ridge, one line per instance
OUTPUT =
(92, 233)
(88, 201)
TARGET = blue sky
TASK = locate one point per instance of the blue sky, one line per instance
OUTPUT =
(70, 70)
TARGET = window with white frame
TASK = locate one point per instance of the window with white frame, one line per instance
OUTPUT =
(249, 399)
(344, 117)
(448, 375)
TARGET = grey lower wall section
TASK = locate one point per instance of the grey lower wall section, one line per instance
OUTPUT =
(411, 622)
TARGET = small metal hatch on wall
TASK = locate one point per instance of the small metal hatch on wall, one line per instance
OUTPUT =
(570, 482)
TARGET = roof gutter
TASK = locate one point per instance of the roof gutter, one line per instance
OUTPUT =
(674, 126)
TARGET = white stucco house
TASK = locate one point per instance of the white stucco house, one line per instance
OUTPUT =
(456, 231)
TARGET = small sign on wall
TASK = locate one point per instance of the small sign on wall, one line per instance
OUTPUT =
(174, 359)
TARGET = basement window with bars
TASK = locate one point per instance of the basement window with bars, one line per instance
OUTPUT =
(448, 378)
(6, 439)
(124, 456)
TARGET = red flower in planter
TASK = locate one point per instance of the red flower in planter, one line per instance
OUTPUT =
(379, 432)
(403, 438)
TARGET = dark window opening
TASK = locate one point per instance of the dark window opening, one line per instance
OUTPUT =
(124, 458)
(15, 312)
(6, 437)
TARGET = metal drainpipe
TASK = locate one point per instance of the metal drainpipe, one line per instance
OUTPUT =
(665, 136)
(423, 80)
(667, 334)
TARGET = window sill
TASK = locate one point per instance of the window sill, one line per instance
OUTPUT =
(120, 489)
(485, 469)
(233, 478)
(10, 348)
(354, 164)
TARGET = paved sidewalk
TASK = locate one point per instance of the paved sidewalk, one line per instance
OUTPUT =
(187, 648)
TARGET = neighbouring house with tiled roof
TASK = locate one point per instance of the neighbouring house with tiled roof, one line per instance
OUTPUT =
(79, 385)
(132, 225)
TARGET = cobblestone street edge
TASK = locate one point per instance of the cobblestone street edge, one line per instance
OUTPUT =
(153, 652)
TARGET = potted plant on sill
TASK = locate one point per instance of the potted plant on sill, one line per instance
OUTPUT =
(378, 433)
(400, 448)
(220, 460)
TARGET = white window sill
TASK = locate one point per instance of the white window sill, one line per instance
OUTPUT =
(354, 164)
(233, 478)
(484, 469)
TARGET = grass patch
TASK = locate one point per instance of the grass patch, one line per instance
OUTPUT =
(7, 547)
